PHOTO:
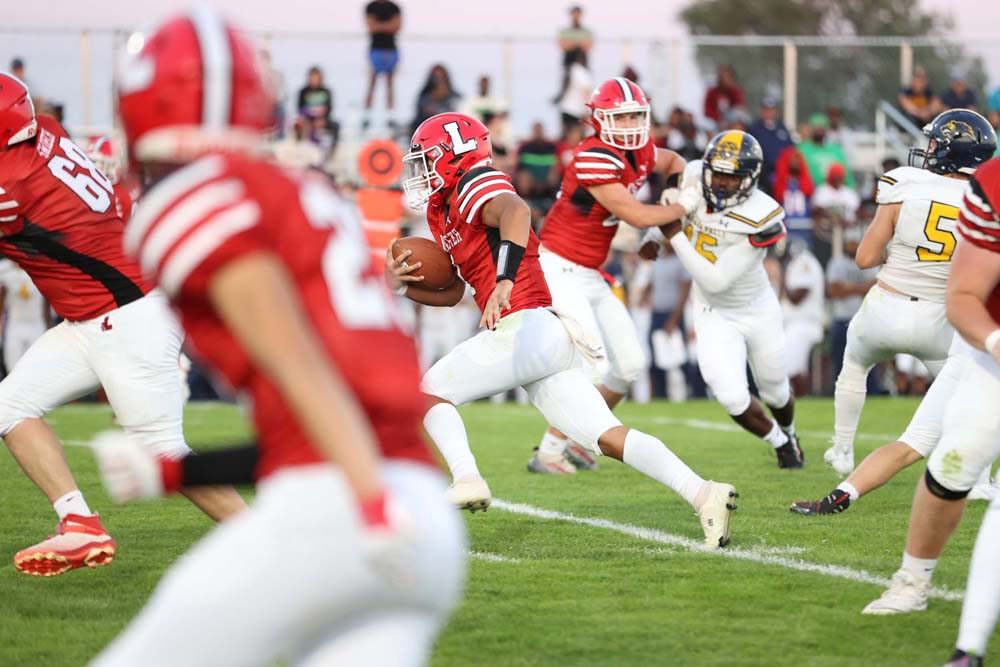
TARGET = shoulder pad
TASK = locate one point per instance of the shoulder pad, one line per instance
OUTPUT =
(769, 236)
(757, 213)
(893, 185)
(691, 176)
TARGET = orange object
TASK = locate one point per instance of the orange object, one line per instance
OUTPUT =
(380, 163)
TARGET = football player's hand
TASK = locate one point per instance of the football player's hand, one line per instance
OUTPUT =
(669, 196)
(388, 539)
(498, 302)
(397, 271)
(691, 199)
(649, 250)
(128, 470)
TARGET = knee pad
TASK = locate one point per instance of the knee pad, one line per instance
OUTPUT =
(776, 396)
(853, 376)
(939, 490)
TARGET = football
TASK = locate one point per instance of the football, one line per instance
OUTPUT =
(436, 268)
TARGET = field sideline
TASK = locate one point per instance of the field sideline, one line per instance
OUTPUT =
(596, 569)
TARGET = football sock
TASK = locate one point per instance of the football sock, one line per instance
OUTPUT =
(921, 568)
(552, 445)
(982, 594)
(789, 430)
(848, 401)
(445, 427)
(652, 458)
(71, 503)
(850, 489)
(776, 437)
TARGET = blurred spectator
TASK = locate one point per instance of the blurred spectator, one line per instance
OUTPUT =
(485, 105)
(684, 137)
(384, 19)
(631, 74)
(500, 138)
(577, 86)
(670, 286)
(17, 69)
(839, 133)
(436, 96)
(315, 99)
(917, 100)
(723, 96)
(736, 118)
(575, 37)
(958, 95)
(820, 153)
(994, 118)
(835, 205)
(773, 137)
(847, 286)
(888, 164)
(793, 188)
(296, 151)
(567, 145)
(802, 296)
(537, 175)
(993, 101)
(280, 95)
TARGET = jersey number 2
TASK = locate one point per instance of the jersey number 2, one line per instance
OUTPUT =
(934, 234)
(79, 172)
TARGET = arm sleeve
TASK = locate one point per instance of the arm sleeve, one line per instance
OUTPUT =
(478, 187)
(731, 264)
(598, 166)
(224, 466)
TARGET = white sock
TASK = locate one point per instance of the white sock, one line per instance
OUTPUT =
(848, 402)
(776, 437)
(445, 427)
(851, 490)
(982, 594)
(71, 503)
(790, 429)
(652, 458)
(921, 568)
(552, 445)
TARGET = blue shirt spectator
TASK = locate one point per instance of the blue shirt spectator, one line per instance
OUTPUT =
(773, 137)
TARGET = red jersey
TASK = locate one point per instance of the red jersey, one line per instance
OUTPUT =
(126, 198)
(577, 228)
(979, 218)
(458, 228)
(219, 209)
(59, 222)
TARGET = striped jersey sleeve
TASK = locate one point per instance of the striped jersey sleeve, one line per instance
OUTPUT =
(478, 187)
(598, 166)
(10, 207)
(979, 220)
(192, 223)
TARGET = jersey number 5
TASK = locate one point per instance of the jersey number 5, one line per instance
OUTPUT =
(79, 172)
(935, 234)
(702, 243)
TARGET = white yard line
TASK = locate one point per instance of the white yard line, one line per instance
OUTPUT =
(754, 554)
(728, 427)
(492, 558)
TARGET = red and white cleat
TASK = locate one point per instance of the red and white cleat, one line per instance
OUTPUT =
(81, 541)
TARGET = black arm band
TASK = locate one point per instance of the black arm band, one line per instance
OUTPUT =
(509, 256)
(674, 180)
(223, 466)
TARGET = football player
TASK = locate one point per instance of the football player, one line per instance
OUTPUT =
(478, 219)
(913, 237)
(970, 439)
(918, 208)
(737, 317)
(350, 554)
(598, 192)
(59, 223)
(103, 153)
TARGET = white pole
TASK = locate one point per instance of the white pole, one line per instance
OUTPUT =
(85, 77)
(905, 63)
(791, 86)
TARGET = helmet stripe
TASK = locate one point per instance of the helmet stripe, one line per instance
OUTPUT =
(217, 67)
(626, 89)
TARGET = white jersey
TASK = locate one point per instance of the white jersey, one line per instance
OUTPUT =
(24, 304)
(732, 242)
(919, 258)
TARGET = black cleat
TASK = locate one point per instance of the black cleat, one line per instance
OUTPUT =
(790, 454)
(835, 503)
(963, 659)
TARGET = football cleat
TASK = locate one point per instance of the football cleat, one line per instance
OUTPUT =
(962, 659)
(470, 493)
(80, 541)
(906, 594)
(551, 464)
(841, 460)
(581, 457)
(716, 514)
(790, 454)
(835, 503)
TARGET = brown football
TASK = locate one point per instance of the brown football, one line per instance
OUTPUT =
(436, 268)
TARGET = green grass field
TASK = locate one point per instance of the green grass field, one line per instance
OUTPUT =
(547, 589)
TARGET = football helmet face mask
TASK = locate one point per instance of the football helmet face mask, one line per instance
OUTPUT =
(442, 150)
(733, 154)
(619, 112)
(193, 86)
(960, 141)
(17, 111)
(103, 154)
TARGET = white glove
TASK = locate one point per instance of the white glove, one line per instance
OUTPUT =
(691, 199)
(388, 540)
(669, 196)
(129, 471)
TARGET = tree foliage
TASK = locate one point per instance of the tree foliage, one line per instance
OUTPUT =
(853, 78)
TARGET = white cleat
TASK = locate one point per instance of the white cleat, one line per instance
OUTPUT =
(716, 514)
(905, 595)
(470, 493)
(841, 460)
(551, 464)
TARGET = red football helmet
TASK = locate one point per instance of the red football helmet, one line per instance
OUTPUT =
(17, 111)
(194, 85)
(103, 154)
(443, 148)
(620, 113)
